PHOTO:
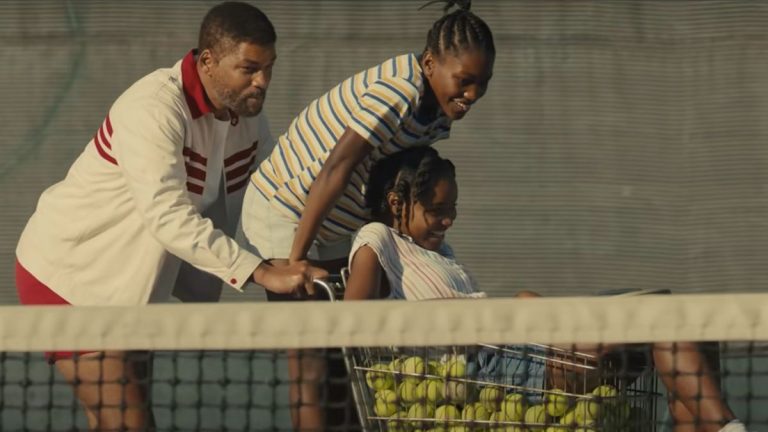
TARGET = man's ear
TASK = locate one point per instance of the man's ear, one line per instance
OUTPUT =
(206, 61)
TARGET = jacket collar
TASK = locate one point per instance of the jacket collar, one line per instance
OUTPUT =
(194, 93)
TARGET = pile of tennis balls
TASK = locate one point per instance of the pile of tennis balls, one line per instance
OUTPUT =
(424, 396)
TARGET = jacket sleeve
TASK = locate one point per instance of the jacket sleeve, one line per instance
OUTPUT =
(148, 139)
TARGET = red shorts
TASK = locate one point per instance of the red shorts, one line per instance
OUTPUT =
(32, 292)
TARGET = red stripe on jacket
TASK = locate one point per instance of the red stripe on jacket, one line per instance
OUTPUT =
(194, 188)
(241, 155)
(239, 171)
(194, 157)
(239, 185)
(103, 153)
(194, 172)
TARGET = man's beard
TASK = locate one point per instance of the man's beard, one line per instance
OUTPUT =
(239, 104)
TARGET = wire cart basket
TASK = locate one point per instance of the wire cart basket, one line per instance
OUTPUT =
(519, 388)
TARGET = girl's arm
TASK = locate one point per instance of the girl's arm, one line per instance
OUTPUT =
(327, 188)
(364, 275)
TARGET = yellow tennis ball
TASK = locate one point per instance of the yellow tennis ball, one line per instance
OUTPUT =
(397, 422)
(430, 390)
(535, 417)
(455, 367)
(587, 412)
(413, 366)
(495, 418)
(407, 392)
(379, 380)
(475, 411)
(454, 391)
(569, 418)
(514, 407)
(491, 397)
(556, 403)
(396, 365)
(385, 403)
(419, 411)
(434, 367)
(606, 391)
(447, 412)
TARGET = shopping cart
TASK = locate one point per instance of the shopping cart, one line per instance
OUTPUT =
(521, 388)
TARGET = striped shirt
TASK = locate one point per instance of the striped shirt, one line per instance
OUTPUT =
(380, 104)
(415, 273)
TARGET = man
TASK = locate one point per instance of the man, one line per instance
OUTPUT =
(115, 231)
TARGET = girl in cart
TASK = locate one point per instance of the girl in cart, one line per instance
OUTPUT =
(402, 255)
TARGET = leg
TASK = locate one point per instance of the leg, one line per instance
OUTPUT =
(113, 389)
(692, 385)
(306, 371)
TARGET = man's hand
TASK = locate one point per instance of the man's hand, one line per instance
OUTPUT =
(295, 278)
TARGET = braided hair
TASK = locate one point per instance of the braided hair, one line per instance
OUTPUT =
(459, 30)
(412, 175)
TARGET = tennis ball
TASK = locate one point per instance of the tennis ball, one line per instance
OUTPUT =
(385, 403)
(407, 392)
(414, 366)
(447, 412)
(434, 367)
(514, 406)
(534, 416)
(454, 391)
(379, 380)
(587, 412)
(491, 397)
(459, 428)
(455, 367)
(569, 418)
(475, 411)
(495, 418)
(396, 365)
(496, 426)
(606, 391)
(420, 411)
(396, 422)
(557, 404)
(430, 390)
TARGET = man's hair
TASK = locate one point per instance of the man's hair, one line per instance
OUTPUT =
(232, 23)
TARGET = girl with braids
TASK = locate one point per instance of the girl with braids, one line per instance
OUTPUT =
(306, 199)
(402, 255)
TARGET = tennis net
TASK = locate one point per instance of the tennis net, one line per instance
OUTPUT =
(523, 365)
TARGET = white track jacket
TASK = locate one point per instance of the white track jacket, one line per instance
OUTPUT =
(116, 229)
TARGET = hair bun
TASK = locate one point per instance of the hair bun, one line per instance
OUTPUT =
(463, 5)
